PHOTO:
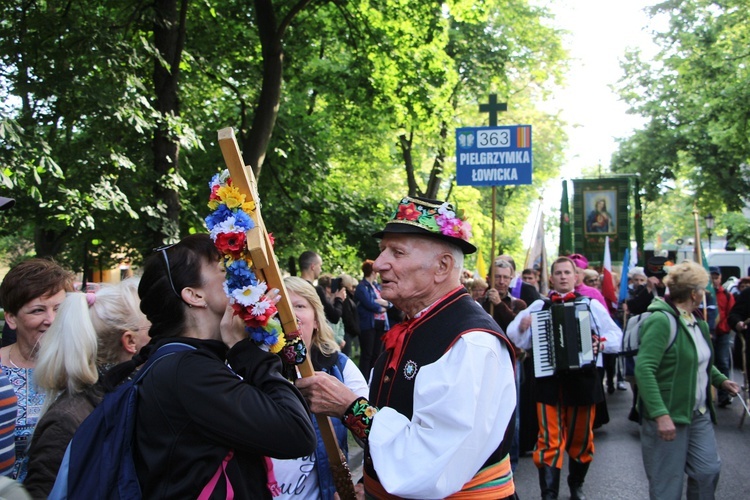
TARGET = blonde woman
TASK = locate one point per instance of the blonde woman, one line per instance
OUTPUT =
(310, 477)
(675, 372)
(92, 332)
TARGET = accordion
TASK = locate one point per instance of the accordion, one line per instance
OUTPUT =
(561, 338)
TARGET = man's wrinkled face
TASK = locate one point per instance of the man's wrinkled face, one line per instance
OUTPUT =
(503, 277)
(407, 266)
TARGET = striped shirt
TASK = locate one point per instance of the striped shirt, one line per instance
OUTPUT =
(8, 412)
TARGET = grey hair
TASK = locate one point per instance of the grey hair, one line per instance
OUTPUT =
(503, 264)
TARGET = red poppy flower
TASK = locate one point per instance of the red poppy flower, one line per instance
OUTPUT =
(231, 243)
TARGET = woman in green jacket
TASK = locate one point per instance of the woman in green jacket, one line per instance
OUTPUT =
(674, 373)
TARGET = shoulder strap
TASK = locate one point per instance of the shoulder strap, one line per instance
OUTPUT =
(165, 350)
(341, 361)
(673, 327)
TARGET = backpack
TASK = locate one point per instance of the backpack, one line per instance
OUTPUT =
(631, 336)
(98, 462)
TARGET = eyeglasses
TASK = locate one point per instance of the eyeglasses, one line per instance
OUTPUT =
(163, 250)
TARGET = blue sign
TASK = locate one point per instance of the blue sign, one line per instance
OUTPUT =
(493, 156)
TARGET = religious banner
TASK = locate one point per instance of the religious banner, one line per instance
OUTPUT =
(600, 210)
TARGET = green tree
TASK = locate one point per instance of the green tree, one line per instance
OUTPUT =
(694, 95)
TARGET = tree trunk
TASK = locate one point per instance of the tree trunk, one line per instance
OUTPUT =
(255, 141)
(438, 166)
(405, 144)
(169, 39)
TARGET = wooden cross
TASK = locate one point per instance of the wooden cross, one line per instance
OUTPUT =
(492, 108)
(266, 268)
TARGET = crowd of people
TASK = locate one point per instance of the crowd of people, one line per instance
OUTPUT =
(419, 361)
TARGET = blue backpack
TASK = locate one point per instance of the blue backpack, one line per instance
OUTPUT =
(99, 460)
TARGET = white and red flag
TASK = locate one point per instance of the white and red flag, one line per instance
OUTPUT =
(608, 283)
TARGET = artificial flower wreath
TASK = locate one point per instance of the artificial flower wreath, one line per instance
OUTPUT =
(227, 224)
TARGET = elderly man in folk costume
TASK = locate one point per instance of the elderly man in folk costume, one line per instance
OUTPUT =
(566, 400)
(442, 395)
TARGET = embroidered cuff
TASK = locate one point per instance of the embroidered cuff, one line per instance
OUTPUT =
(358, 418)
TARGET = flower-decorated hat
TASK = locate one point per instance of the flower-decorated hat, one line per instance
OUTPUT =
(430, 218)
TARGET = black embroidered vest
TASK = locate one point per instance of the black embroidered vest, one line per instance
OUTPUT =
(434, 334)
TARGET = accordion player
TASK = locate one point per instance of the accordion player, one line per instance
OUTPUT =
(561, 339)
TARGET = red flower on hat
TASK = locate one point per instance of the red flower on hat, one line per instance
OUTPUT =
(408, 212)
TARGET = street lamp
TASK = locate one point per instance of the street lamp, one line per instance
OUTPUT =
(709, 226)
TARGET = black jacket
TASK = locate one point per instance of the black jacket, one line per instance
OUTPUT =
(192, 410)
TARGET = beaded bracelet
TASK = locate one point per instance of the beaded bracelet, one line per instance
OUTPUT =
(358, 418)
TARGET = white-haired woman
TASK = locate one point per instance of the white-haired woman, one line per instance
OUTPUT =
(310, 477)
(92, 332)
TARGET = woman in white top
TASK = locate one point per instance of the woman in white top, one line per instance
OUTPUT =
(310, 477)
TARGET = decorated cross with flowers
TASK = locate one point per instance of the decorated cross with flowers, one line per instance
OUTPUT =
(238, 231)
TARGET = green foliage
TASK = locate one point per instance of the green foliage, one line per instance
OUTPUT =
(694, 95)
(79, 118)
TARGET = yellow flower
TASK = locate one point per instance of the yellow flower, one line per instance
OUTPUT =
(214, 204)
(248, 207)
(279, 345)
(231, 196)
(370, 411)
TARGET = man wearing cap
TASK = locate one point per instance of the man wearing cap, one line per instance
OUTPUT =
(652, 287)
(442, 395)
(721, 334)
(566, 401)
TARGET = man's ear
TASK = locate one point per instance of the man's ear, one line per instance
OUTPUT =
(444, 266)
(128, 342)
(11, 319)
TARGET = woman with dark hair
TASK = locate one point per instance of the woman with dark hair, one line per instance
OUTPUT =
(220, 407)
(369, 306)
(31, 294)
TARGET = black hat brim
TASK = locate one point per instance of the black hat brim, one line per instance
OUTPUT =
(398, 228)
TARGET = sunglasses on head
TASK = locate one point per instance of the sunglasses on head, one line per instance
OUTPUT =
(163, 250)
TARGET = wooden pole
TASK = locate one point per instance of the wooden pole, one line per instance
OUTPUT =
(266, 268)
(699, 257)
(492, 249)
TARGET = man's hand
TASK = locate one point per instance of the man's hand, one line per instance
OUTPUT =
(652, 282)
(325, 394)
(524, 324)
(597, 344)
(493, 296)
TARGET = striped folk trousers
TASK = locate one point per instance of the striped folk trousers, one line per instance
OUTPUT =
(568, 428)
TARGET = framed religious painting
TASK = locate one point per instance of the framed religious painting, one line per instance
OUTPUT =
(598, 206)
(601, 209)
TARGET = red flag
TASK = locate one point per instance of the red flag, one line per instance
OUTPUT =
(608, 284)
